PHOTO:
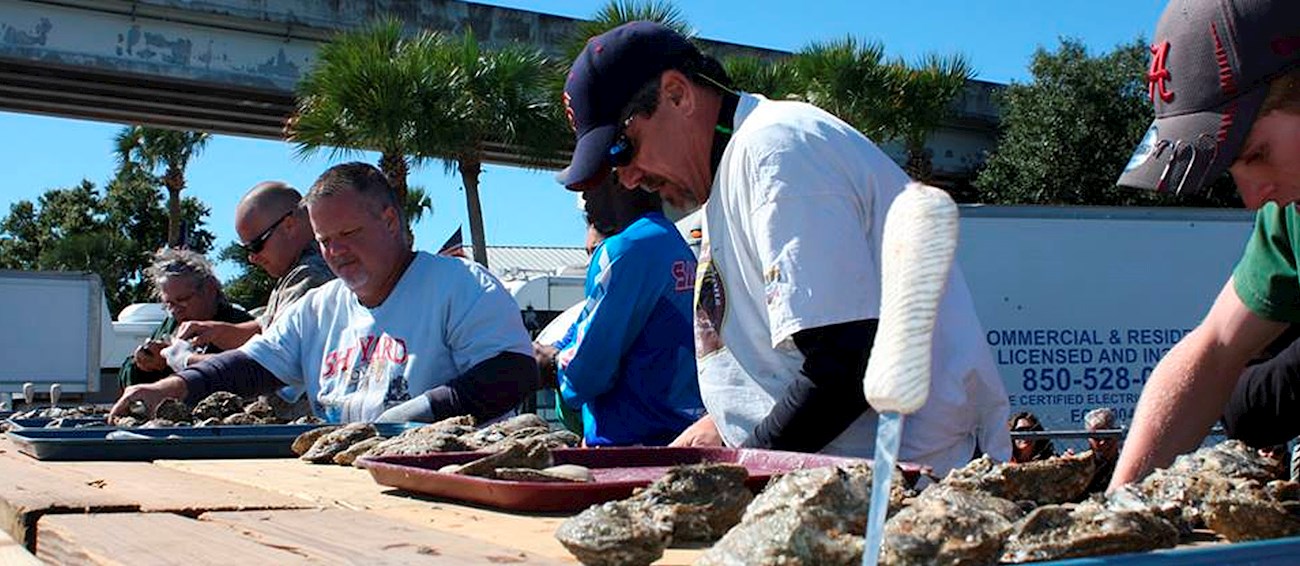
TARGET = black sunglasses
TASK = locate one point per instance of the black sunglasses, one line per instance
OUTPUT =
(256, 244)
(622, 151)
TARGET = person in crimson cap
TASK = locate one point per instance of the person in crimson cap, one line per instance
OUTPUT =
(1226, 90)
(787, 294)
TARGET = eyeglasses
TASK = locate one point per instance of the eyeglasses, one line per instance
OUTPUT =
(621, 153)
(255, 245)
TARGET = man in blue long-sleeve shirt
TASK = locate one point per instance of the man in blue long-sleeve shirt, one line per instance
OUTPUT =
(629, 361)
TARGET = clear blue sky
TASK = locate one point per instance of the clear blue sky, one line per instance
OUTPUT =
(526, 207)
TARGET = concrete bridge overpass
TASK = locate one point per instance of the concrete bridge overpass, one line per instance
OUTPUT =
(230, 66)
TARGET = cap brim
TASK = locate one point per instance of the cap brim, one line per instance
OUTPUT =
(590, 163)
(1182, 154)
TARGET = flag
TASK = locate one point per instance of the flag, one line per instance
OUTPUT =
(455, 246)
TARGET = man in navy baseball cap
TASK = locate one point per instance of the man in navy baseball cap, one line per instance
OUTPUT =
(783, 325)
(602, 81)
(1225, 82)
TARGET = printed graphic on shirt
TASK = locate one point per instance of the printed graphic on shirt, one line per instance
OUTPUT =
(710, 307)
(370, 372)
(684, 275)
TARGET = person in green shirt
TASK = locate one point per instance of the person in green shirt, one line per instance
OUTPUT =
(187, 287)
(1225, 82)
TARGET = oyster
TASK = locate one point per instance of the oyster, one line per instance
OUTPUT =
(1248, 513)
(1229, 473)
(518, 454)
(1059, 479)
(219, 405)
(330, 444)
(616, 533)
(1053, 532)
(260, 409)
(241, 419)
(948, 525)
(556, 474)
(158, 423)
(814, 516)
(173, 410)
(305, 440)
(423, 440)
(703, 501)
(499, 431)
(348, 456)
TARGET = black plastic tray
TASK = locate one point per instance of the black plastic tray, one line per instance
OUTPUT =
(179, 443)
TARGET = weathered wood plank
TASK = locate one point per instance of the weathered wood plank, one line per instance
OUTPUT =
(30, 489)
(364, 538)
(13, 554)
(136, 539)
(351, 488)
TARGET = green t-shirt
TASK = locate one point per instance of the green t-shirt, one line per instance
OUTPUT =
(1266, 278)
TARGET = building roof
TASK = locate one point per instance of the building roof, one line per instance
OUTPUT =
(522, 262)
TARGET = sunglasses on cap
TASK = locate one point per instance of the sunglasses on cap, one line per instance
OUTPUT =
(255, 245)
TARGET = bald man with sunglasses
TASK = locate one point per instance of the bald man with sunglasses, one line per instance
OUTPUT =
(274, 230)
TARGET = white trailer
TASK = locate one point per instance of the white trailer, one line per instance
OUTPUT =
(1078, 304)
(52, 330)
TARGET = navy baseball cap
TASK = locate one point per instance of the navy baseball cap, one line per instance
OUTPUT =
(1211, 65)
(612, 67)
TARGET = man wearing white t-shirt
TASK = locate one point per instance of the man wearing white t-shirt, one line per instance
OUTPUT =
(399, 336)
(788, 289)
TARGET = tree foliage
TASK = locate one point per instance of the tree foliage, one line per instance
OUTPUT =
(252, 286)
(619, 12)
(110, 232)
(151, 149)
(428, 96)
(1068, 133)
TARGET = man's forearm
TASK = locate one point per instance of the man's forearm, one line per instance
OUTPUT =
(827, 396)
(488, 389)
(1179, 404)
(232, 371)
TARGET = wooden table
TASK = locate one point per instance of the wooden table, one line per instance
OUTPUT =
(272, 511)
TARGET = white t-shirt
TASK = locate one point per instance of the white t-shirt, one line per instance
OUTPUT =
(444, 316)
(792, 241)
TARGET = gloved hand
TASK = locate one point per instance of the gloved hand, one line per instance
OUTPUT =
(418, 409)
(178, 354)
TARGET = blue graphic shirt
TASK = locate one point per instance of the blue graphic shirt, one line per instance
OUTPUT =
(629, 359)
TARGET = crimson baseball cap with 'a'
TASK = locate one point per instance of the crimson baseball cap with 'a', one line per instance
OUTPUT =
(1211, 65)
(612, 67)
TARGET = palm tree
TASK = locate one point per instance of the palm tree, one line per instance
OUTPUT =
(927, 94)
(149, 148)
(852, 80)
(501, 97)
(370, 90)
(619, 12)
(773, 79)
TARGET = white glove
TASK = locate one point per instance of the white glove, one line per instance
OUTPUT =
(178, 354)
(418, 409)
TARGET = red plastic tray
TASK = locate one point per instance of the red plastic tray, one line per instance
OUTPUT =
(617, 472)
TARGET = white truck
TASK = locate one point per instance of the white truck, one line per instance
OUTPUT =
(58, 330)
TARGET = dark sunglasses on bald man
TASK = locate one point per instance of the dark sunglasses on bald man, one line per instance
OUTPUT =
(256, 244)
